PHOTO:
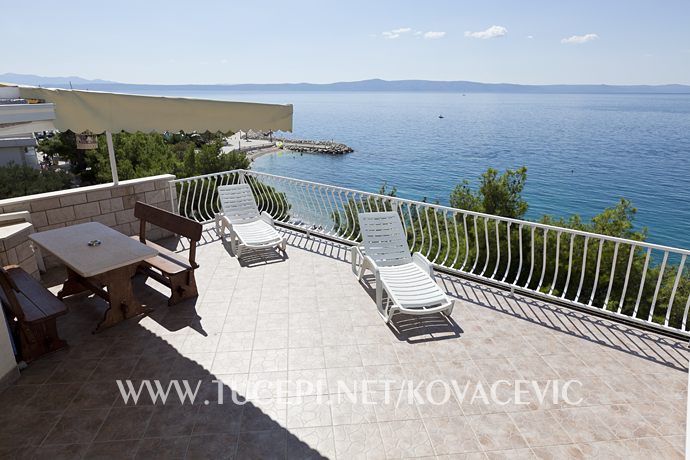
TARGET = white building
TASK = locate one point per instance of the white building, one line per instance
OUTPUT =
(19, 120)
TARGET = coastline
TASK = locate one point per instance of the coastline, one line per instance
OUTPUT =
(254, 154)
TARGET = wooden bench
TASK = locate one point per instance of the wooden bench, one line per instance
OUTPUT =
(168, 267)
(32, 312)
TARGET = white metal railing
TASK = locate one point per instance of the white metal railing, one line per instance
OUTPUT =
(633, 280)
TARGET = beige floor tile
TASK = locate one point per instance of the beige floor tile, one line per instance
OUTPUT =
(359, 441)
(540, 428)
(496, 432)
(405, 439)
(308, 411)
(269, 360)
(452, 435)
(231, 362)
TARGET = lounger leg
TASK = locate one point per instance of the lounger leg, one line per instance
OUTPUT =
(353, 257)
(362, 268)
(379, 300)
(233, 244)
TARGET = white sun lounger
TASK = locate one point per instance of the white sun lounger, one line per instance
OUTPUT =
(248, 229)
(408, 279)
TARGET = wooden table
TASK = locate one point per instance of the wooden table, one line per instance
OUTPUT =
(105, 269)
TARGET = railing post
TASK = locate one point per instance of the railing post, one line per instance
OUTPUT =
(173, 196)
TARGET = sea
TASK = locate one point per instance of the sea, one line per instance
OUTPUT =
(583, 152)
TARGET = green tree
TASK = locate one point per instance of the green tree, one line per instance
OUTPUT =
(498, 194)
(20, 180)
(209, 159)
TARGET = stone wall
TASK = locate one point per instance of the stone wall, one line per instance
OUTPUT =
(111, 205)
(16, 248)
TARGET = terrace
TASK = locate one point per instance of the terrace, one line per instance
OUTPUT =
(290, 336)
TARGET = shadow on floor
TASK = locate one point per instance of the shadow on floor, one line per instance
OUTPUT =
(637, 342)
(69, 405)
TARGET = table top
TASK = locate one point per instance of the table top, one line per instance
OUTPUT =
(71, 246)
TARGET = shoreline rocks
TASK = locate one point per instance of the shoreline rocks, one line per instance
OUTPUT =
(308, 146)
(305, 145)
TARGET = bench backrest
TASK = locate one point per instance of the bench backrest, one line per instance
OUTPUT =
(169, 221)
(8, 294)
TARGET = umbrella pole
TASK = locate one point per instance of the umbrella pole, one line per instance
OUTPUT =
(111, 154)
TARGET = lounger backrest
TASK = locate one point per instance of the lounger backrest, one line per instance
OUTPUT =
(238, 203)
(384, 238)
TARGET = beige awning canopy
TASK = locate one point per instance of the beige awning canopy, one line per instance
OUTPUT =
(97, 112)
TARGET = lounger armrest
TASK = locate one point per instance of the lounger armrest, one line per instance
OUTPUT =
(268, 218)
(423, 263)
(355, 257)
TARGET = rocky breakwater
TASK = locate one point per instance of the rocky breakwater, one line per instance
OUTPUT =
(307, 146)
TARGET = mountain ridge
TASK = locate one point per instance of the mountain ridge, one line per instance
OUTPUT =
(373, 85)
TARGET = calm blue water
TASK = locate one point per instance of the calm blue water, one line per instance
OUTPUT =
(583, 152)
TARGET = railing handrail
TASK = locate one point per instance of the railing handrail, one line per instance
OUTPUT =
(439, 207)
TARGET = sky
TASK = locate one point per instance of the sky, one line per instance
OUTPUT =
(207, 42)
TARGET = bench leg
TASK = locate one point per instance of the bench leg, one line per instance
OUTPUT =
(183, 286)
(38, 339)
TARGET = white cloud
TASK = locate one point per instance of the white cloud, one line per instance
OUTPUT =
(395, 33)
(418, 33)
(579, 39)
(491, 32)
(530, 37)
(434, 35)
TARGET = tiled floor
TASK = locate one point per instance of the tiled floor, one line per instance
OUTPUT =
(289, 336)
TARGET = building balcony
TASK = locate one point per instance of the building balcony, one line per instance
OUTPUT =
(308, 369)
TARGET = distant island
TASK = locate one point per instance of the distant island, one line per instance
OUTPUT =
(376, 85)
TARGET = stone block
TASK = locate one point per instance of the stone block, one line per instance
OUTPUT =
(16, 207)
(42, 205)
(86, 210)
(155, 197)
(165, 205)
(60, 215)
(98, 195)
(122, 191)
(162, 184)
(52, 227)
(39, 219)
(29, 265)
(124, 217)
(24, 251)
(18, 238)
(12, 258)
(108, 219)
(129, 201)
(123, 228)
(111, 205)
(70, 200)
(144, 187)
